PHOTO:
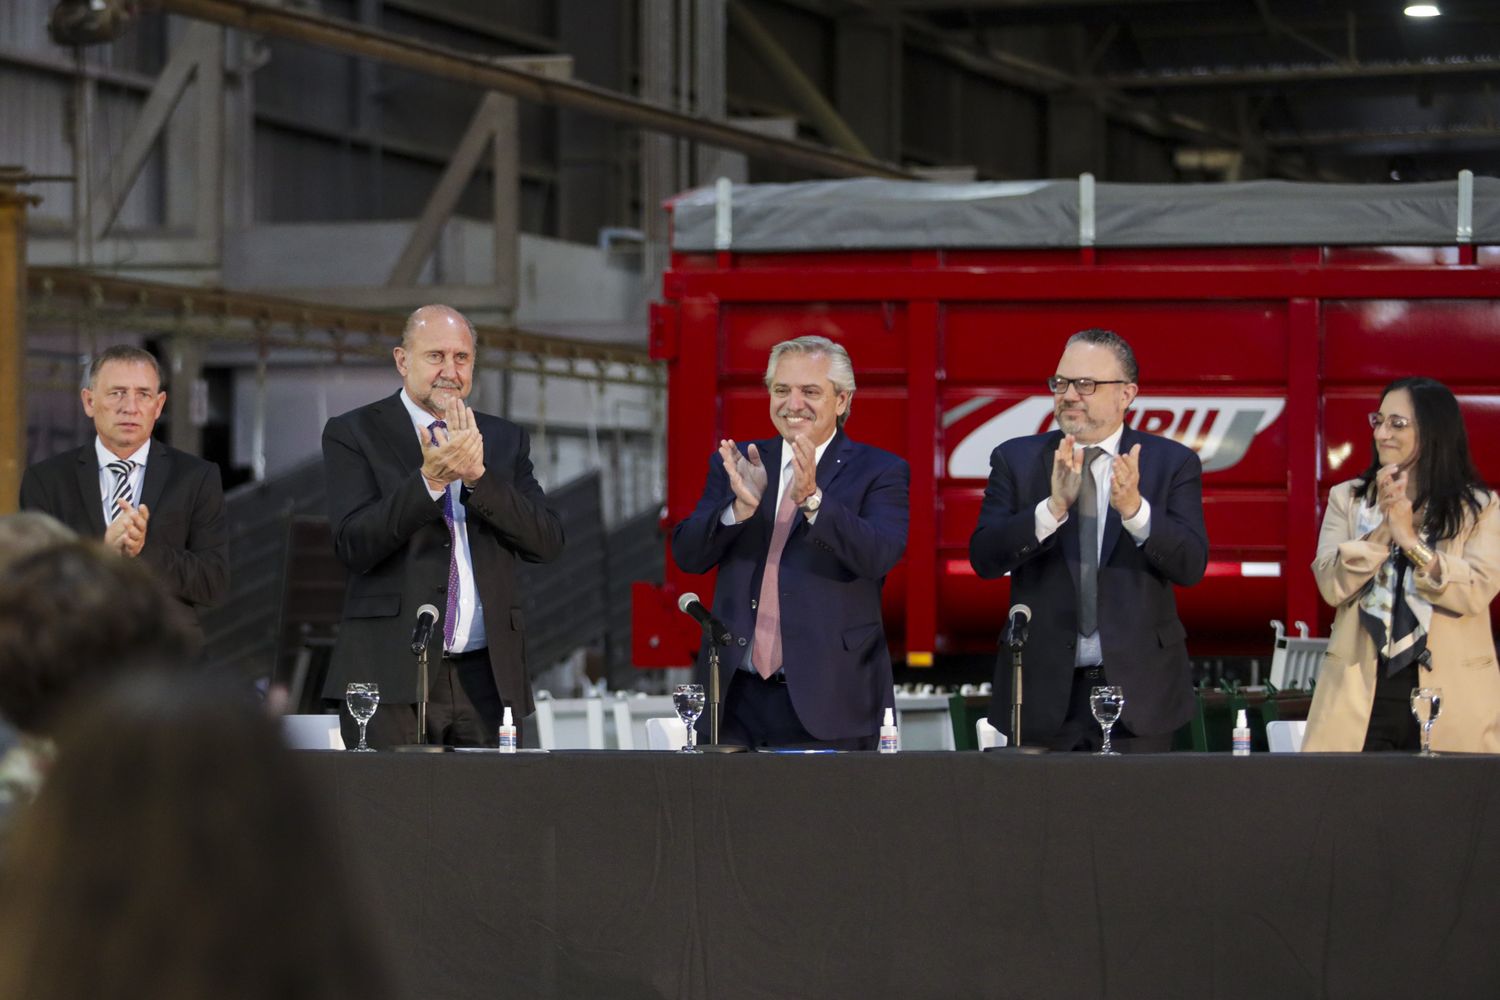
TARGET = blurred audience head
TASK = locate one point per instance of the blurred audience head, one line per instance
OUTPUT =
(30, 531)
(178, 852)
(72, 615)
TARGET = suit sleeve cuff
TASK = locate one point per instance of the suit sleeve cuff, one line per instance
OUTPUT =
(1046, 524)
(1140, 525)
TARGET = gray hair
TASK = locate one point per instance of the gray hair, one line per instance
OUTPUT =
(128, 353)
(1116, 343)
(28, 531)
(840, 368)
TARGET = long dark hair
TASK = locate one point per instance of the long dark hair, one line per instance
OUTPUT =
(1444, 478)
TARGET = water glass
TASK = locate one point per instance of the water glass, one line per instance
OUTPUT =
(363, 698)
(688, 700)
(1106, 702)
(1426, 706)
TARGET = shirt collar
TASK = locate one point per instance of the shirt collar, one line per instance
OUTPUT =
(419, 416)
(106, 456)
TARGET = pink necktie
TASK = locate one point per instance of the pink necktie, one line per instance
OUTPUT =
(765, 654)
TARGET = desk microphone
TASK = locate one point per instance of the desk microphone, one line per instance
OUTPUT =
(1016, 626)
(717, 634)
(427, 617)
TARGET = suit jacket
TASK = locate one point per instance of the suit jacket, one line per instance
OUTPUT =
(838, 667)
(1143, 641)
(389, 533)
(187, 544)
(1462, 646)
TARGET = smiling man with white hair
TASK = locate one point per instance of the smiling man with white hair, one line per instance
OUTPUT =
(803, 528)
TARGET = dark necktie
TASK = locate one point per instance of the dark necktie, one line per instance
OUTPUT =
(450, 614)
(121, 468)
(765, 654)
(1088, 546)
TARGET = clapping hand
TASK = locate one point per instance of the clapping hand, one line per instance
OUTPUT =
(747, 477)
(804, 468)
(458, 452)
(1067, 477)
(1125, 484)
(126, 534)
(1390, 484)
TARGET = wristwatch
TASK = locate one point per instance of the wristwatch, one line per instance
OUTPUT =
(812, 503)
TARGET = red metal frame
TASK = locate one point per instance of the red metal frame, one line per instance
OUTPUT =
(1340, 321)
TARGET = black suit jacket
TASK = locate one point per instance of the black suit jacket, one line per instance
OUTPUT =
(390, 534)
(838, 666)
(1144, 643)
(186, 542)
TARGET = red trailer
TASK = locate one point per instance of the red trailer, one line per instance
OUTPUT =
(1266, 318)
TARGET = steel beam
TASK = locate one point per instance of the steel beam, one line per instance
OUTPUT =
(461, 67)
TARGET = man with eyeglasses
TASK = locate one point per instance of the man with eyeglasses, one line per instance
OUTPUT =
(144, 499)
(1095, 522)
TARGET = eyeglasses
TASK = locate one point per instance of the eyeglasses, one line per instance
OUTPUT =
(1397, 423)
(1085, 386)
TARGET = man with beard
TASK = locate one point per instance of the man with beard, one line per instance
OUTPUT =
(432, 503)
(1095, 522)
(801, 560)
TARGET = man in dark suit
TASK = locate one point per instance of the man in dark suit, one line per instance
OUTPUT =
(144, 499)
(432, 503)
(1095, 522)
(801, 560)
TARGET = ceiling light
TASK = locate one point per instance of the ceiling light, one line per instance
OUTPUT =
(1422, 10)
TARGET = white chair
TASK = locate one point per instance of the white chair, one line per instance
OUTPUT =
(988, 736)
(312, 732)
(925, 721)
(665, 734)
(1284, 736)
(1295, 661)
(570, 723)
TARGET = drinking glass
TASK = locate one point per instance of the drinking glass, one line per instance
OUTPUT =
(363, 699)
(688, 700)
(1106, 702)
(1426, 706)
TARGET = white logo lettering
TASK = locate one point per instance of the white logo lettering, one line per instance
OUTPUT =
(1219, 428)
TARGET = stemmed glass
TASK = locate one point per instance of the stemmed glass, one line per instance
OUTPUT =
(363, 699)
(1106, 702)
(1426, 706)
(688, 700)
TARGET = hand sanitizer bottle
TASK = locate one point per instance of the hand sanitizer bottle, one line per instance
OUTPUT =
(890, 739)
(1241, 744)
(507, 732)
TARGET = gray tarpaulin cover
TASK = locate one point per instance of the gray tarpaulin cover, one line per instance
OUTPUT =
(869, 214)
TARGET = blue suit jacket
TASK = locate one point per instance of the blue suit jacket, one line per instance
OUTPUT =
(1144, 643)
(838, 667)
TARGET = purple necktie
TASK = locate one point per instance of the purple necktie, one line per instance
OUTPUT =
(450, 616)
(765, 654)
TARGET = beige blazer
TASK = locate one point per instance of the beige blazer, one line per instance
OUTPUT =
(1460, 584)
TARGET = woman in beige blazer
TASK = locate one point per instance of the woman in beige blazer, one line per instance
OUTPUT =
(1410, 556)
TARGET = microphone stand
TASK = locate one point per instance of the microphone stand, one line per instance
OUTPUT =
(1014, 640)
(714, 699)
(422, 696)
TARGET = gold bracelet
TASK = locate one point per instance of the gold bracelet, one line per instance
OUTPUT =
(1420, 555)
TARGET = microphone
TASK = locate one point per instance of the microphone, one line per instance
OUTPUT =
(717, 634)
(427, 617)
(1016, 626)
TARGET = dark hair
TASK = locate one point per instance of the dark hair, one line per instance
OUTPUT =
(1444, 480)
(178, 851)
(128, 353)
(72, 615)
(1116, 343)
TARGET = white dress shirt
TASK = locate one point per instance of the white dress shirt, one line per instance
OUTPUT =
(468, 634)
(137, 475)
(1090, 652)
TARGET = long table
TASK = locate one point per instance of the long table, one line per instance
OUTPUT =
(945, 875)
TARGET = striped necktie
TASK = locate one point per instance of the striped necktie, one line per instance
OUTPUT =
(122, 469)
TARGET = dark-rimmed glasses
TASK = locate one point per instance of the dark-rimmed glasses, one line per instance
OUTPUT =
(1085, 386)
(1397, 423)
